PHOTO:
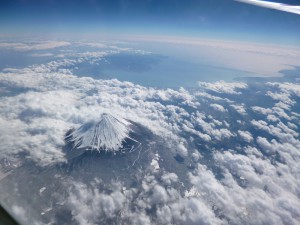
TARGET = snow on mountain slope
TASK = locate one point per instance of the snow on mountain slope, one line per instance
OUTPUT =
(108, 133)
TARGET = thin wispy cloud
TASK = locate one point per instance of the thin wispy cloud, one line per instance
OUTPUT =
(274, 5)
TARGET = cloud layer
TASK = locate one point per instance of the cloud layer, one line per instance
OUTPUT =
(224, 155)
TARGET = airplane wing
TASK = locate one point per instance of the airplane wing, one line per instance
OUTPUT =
(273, 5)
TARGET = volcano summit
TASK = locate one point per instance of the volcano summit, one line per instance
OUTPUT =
(108, 133)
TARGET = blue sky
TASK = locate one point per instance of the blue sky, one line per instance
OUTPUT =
(196, 18)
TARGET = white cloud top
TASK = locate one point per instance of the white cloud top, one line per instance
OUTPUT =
(34, 46)
(224, 87)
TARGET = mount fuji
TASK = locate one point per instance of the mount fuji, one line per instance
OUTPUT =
(108, 133)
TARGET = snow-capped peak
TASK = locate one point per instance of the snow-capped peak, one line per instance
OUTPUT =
(108, 133)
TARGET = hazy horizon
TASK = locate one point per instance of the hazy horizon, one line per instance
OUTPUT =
(224, 20)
